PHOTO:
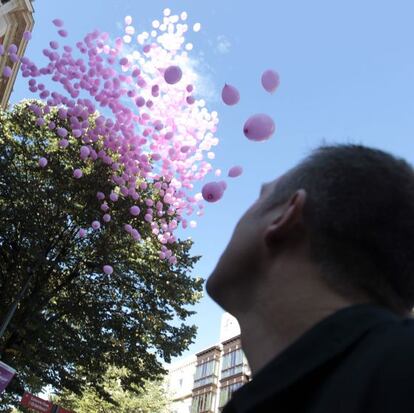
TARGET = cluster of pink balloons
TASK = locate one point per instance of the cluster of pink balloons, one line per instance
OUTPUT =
(150, 128)
(258, 127)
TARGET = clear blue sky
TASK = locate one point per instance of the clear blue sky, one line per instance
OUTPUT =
(347, 75)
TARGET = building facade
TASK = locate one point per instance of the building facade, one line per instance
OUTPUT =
(204, 382)
(16, 17)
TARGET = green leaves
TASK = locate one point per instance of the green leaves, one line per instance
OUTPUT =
(75, 321)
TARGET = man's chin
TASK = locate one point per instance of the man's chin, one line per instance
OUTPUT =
(215, 286)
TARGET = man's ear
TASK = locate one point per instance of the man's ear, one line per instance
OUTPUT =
(290, 216)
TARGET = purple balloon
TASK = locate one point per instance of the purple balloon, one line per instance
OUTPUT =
(77, 173)
(7, 71)
(12, 49)
(230, 95)
(82, 232)
(57, 22)
(107, 269)
(27, 36)
(173, 74)
(63, 143)
(140, 101)
(106, 217)
(42, 162)
(235, 171)
(259, 127)
(270, 80)
(113, 196)
(96, 225)
(212, 191)
(62, 132)
(134, 210)
(54, 45)
(63, 33)
(84, 151)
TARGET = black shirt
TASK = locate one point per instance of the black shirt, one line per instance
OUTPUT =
(358, 360)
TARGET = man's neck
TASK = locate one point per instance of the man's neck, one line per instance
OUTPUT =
(269, 328)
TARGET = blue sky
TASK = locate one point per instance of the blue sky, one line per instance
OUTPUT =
(347, 75)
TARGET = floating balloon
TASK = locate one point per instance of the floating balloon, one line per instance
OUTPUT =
(57, 22)
(134, 210)
(212, 191)
(77, 173)
(42, 162)
(230, 95)
(7, 71)
(155, 139)
(235, 171)
(107, 269)
(172, 74)
(270, 80)
(259, 127)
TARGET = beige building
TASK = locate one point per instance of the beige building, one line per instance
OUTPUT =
(16, 17)
(204, 382)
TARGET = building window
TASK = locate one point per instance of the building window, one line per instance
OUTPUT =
(232, 363)
(203, 403)
(227, 391)
(206, 373)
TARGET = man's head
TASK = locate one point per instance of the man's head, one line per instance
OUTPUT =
(347, 210)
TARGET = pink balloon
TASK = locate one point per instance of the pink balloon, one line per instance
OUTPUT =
(82, 232)
(235, 171)
(42, 162)
(212, 191)
(62, 132)
(134, 210)
(7, 71)
(259, 127)
(270, 80)
(77, 173)
(96, 225)
(63, 143)
(173, 74)
(54, 45)
(107, 269)
(57, 22)
(140, 101)
(230, 95)
(84, 151)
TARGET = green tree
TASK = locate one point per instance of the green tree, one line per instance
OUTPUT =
(74, 321)
(151, 398)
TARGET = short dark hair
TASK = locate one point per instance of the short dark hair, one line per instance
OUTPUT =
(359, 213)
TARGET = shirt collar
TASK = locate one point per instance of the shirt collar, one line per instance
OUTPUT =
(330, 337)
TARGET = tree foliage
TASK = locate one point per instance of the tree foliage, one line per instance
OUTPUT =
(75, 321)
(151, 398)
